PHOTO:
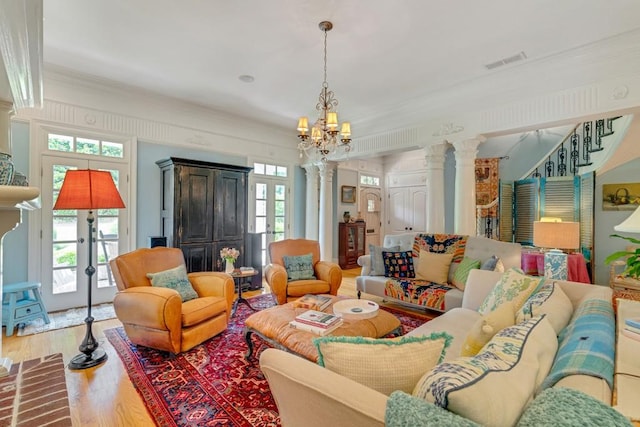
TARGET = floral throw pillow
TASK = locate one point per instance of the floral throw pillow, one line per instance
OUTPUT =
(174, 278)
(299, 267)
(514, 286)
(398, 264)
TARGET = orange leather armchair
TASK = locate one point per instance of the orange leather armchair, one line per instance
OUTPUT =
(328, 274)
(156, 317)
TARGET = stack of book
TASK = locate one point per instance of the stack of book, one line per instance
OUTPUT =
(317, 322)
(632, 328)
(313, 302)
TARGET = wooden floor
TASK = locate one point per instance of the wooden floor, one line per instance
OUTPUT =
(103, 396)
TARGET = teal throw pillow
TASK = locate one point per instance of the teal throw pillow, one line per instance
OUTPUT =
(404, 410)
(462, 272)
(174, 278)
(299, 267)
(377, 262)
(564, 407)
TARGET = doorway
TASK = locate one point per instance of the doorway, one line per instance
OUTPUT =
(370, 207)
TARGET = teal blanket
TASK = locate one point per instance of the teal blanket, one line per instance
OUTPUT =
(587, 345)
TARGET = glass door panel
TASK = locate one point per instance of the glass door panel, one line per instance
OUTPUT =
(271, 206)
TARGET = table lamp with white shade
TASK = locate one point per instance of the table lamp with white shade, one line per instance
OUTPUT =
(552, 237)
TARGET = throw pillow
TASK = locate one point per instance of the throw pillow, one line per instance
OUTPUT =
(377, 262)
(486, 327)
(462, 272)
(560, 406)
(514, 286)
(434, 267)
(398, 264)
(551, 300)
(174, 278)
(493, 264)
(299, 267)
(493, 388)
(383, 364)
(404, 410)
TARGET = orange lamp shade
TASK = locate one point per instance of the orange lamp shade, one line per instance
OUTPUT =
(88, 189)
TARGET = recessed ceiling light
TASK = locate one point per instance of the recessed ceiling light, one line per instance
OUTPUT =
(246, 78)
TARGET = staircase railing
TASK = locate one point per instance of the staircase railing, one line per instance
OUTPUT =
(575, 150)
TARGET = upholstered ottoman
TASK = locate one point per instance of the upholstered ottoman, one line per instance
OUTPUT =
(272, 326)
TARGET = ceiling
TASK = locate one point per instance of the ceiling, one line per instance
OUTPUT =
(390, 63)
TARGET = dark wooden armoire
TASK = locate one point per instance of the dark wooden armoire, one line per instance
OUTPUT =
(204, 208)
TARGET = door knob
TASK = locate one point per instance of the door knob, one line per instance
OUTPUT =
(81, 240)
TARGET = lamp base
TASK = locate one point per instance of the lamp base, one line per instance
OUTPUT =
(83, 361)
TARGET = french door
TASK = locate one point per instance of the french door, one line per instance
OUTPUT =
(271, 211)
(370, 205)
(65, 238)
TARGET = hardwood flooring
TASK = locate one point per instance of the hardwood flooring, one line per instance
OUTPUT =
(103, 396)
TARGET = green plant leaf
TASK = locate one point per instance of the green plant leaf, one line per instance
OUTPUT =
(616, 255)
(630, 239)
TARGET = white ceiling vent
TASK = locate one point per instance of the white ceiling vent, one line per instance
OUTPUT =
(509, 60)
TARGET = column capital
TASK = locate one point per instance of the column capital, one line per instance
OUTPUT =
(435, 155)
(326, 169)
(467, 149)
(310, 169)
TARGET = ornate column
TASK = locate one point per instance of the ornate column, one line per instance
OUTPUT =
(325, 232)
(435, 156)
(465, 186)
(312, 210)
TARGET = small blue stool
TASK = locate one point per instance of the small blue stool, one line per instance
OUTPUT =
(22, 302)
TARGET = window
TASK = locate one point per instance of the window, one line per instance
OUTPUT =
(370, 180)
(95, 147)
(269, 170)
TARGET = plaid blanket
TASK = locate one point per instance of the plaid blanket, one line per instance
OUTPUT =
(587, 344)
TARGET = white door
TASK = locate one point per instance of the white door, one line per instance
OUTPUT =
(370, 205)
(271, 208)
(417, 211)
(65, 238)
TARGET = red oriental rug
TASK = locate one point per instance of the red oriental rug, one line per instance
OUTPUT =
(211, 384)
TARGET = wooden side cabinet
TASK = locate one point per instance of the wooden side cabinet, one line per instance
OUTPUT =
(351, 243)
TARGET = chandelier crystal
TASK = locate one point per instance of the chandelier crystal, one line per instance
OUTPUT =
(323, 139)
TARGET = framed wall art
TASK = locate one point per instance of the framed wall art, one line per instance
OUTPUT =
(348, 194)
(621, 197)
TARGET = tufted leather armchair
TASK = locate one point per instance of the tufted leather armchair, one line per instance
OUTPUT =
(328, 274)
(156, 317)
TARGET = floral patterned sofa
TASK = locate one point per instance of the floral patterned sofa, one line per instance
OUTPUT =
(422, 293)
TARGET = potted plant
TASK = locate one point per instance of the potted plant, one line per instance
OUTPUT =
(633, 258)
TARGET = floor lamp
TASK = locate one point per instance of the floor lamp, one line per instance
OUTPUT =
(88, 189)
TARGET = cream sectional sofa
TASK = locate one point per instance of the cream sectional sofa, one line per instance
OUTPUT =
(310, 395)
(477, 247)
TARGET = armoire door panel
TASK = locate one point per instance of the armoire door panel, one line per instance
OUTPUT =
(230, 208)
(196, 207)
(197, 257)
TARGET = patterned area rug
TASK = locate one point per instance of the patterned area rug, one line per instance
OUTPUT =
(211, 384)
(66, 319)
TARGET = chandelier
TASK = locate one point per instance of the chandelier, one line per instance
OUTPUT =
(324, 133)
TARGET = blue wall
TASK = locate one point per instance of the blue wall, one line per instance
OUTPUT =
(15, 244)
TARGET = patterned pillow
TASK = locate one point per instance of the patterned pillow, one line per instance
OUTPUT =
(433, 267)
(550, 300)
(385, 365)
(462, 272)
(299, 267)
(377, 262)
(514, 286)
(441, 244)
(494, 387)
(486, 327)
(398, 264)
(174, 278)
